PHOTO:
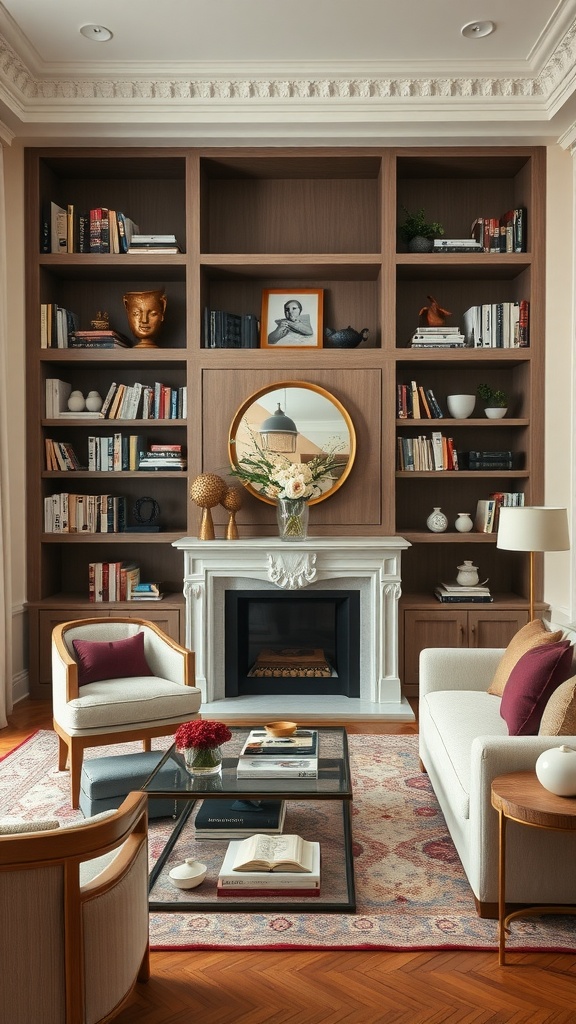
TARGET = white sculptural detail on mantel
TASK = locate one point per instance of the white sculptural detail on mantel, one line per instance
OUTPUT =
(291, 570)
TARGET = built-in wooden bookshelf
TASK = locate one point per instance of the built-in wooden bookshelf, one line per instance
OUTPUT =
(254, 219)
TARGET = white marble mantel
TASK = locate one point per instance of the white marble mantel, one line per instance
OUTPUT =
(368, 564)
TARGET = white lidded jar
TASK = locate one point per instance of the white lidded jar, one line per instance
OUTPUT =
(556, 770)
(467, 574)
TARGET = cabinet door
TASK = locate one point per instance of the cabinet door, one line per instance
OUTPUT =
(494, 628)
(429, 628)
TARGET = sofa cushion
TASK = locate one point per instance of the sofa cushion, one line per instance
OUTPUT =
(559, 718)
(111, 659)
(533, 634)
(140, 700)
(531, 682)
(454, 722)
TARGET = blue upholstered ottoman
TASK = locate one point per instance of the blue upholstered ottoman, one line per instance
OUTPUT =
(106, 781)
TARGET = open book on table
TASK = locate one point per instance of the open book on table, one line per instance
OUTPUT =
(274, 853)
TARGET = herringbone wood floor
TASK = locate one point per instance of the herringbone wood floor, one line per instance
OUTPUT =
(340, 988)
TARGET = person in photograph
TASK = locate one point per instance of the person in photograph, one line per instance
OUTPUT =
(294, 327)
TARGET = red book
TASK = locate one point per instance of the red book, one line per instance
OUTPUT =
(276, 893)
(523, 325)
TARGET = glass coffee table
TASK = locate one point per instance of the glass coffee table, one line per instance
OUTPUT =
(317, 809)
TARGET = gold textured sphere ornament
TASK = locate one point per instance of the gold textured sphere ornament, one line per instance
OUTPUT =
(206, 491)
(232, 502)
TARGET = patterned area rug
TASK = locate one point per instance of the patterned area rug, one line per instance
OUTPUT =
(411, 890)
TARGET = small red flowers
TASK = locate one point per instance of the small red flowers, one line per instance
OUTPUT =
(201, 734)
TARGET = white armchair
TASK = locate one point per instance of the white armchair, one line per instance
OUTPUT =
(74, 918)
(123, 707)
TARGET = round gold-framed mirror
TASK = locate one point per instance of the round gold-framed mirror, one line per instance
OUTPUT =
(293, 422)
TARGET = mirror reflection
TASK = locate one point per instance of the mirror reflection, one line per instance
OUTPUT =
(294, 423)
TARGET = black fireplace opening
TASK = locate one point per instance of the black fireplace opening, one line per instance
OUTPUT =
(286, 643)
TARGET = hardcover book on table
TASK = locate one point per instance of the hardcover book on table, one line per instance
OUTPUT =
(266, 879)
(255, 767)
(304, 742)
(237, 819)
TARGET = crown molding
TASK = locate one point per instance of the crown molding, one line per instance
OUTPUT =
(262, 95)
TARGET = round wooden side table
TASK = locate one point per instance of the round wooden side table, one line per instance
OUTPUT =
(519, 796)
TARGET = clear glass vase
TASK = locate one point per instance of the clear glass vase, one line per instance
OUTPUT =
(203, 760)
(292, 516)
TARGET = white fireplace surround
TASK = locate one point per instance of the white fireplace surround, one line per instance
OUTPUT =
(370, 565)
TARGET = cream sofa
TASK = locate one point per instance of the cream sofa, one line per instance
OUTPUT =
(464, 745)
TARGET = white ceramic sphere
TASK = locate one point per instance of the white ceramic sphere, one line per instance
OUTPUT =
(556, 770)
(76, 402)
(94, 401)
(461, 406)
(189, 874)
(495, 414)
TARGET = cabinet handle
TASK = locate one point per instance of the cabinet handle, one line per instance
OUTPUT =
(461, 630)
(472, 629)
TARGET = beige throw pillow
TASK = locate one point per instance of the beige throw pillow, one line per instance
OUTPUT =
(559, 718)
(533, 634)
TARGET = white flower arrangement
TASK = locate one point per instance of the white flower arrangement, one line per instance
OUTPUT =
(278, 477)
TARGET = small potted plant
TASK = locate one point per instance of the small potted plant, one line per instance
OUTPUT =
(495, 400)
(418, 233)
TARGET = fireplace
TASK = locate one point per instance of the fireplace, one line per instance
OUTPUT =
(358, 578)
(285, 642)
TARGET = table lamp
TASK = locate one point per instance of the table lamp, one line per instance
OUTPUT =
(533, 528)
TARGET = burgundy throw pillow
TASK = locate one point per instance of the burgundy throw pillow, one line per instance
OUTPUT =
(109, 659)
(534, 677)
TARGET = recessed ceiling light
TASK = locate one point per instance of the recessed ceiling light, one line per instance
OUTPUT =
(98, 33)
(478, 29)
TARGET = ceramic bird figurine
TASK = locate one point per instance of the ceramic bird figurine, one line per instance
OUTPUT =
(433, 314)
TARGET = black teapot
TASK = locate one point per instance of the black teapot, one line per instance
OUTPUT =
(346, 338)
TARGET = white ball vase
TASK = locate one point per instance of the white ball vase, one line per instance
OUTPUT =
(461, 406)
(76, 402)
(93, 401)
(464, 522)
(556, 770)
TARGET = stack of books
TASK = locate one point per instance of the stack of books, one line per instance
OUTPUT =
(487, 460)
(287, 757)
(238, 819)
(438, 337)
(270, 866)
(454, 593)
(457, 245)
(159, 245)
(146, 592)
(163, 456)
(98, 339)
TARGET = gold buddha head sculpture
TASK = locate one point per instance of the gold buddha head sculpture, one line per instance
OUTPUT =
(145, 312)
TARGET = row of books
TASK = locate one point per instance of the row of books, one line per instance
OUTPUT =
(98, 230)
(266, 757)
(498, 325)
(84, 513)
(416, 402)
(507, 233)
(112, 581)
(57, 324)
(145, 402)
(266, 865)
(487, 509)
(230, 330)
(435, 453)
(130, 453)
(60, 456)
(438, 337)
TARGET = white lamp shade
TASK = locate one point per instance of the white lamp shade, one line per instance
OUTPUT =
(533, 528)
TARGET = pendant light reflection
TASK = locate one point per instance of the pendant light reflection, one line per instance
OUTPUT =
(278, 433)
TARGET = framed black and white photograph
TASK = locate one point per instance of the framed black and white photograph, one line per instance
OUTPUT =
(292, 319)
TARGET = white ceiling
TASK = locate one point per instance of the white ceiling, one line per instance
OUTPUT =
(305, 71)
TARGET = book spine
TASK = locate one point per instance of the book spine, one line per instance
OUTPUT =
(282, 891)
(282, 773)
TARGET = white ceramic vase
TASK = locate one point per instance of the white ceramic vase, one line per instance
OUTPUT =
(437, 521)
(461, 406)
(556, 770)
(464, 522)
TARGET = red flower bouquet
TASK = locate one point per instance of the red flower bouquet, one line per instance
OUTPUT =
(200, 744)
(201, 734)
